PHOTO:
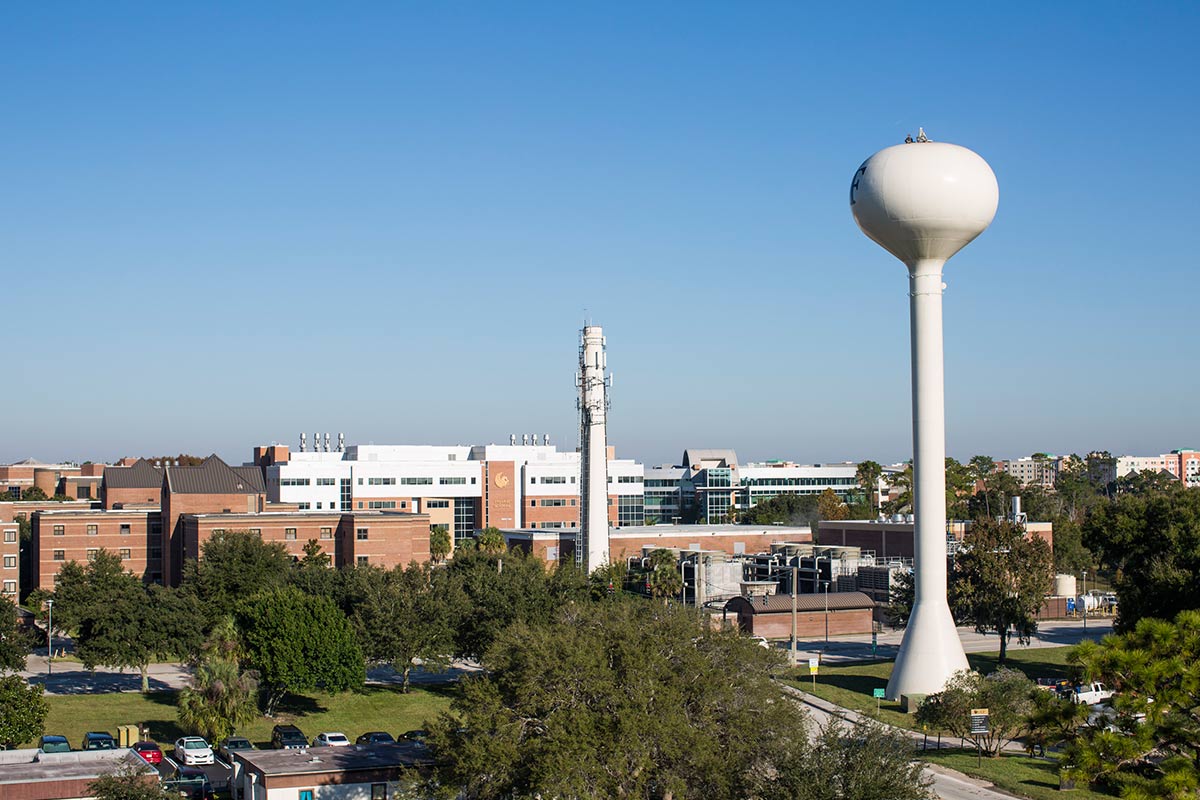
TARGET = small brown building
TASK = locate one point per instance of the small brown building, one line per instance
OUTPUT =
(366, 772)
(771, 615)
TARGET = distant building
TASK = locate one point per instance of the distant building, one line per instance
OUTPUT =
(710, 483)
(76, 481)
(358, 772)
(1037, 470)
(845, 613)
(34, 775)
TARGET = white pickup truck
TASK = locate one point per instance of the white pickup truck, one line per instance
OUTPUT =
(1090, 693)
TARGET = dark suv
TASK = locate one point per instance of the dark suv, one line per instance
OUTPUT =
(94, 740)
(288, 737)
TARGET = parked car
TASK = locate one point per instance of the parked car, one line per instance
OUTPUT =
(288, 737)
(416, 735)
(192, 783)
(232, 745)
(98, 740)
(1090, 693)
(375, 737)
(54, 744)
(193, 750)
(149, 751)
(331, 739)
(762, 641)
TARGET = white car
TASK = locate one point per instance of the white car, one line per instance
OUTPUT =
(331, 739)
(762, 641)
(193, 750)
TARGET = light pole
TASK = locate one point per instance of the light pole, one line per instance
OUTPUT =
(795, 570)
(826, 614)
(50, 636)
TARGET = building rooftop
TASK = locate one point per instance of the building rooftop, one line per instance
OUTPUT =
(776, 603)
(141, 475)
(214, 476)
(33, 766)
(317, 760)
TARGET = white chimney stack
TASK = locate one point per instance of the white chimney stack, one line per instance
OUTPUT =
(591, 549)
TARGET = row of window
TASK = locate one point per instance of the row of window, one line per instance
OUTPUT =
(553, 502)
(379, 481)
(377, 504)
(437, 503)
(61, 530)
(124, 553)
(293, 481)
(799, 482)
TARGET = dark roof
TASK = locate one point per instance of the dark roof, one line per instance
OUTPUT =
(318, 760)
(214, 476)
(140, 475)
(778, 603)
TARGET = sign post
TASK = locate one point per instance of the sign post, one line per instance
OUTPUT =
(813, 666)
(878, 692)
(979, 727)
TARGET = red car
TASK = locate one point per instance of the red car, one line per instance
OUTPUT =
(149, 751)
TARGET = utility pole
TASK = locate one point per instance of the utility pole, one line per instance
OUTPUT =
(795, 570)
(1084, 598)
(50, 636)
(826, 615)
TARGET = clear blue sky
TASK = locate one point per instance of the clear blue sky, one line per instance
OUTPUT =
(223, 224)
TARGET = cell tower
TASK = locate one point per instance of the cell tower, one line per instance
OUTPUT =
(924, 201)
(591, 549)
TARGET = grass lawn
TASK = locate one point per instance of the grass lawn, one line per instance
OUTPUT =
(376, 708)
(1035, 778)
(851, 685)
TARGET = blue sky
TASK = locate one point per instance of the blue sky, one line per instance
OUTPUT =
(223, 224)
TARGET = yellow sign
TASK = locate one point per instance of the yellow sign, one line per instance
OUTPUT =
(501, 480)
(979, 712)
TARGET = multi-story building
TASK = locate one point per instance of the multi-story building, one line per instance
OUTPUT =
(711, 482)
(155, 539)
(465, 488)
(77, 481)
(10, 558)
(1040, 469)
(1183, 465)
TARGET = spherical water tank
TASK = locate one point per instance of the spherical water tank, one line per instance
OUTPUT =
(1064, 585)
(924, 200)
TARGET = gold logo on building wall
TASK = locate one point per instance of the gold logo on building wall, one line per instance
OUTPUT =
(501, 480)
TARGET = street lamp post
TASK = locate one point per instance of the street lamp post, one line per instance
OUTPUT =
(50, 637)
(826, 614)
(795, 570)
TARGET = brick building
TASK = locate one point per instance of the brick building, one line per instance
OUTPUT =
(77, 535)
(139, 484)
(771, 615)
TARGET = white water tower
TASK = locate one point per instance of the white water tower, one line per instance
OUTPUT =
(924, 201)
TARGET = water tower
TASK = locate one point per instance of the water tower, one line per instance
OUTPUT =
(924, 201)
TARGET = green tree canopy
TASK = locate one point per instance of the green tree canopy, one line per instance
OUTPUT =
(1006, 693)
(14, 643)
(33, 494)
(132, 781)
(234, 566)
(1152, 540)
(298, 643)
(1151, 749)
(783, 509)
(868, 474)
(402, 619)
(490, 540)
(1001, 578)
(830, 506)
(440, 543)
(662, 575)
(629, 699)
(23, 711)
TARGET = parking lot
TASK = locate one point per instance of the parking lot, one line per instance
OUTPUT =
(218, 772)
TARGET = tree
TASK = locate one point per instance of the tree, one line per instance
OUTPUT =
(901, 597)
(1152, 744)
(315, 556)
(236, 565)
(783, 509)
(629, 699)
(1006, 693)
(298, 643)
(221, 696)
(33, 494)
(830, 506)
(1147, 482)
(960, 485)
(14, 643)
(1153, 542)
(902, 481)
(1070, 556)
(23, 710)
(490, 540)
(440, 544)
(663, 578)
(1001, 579)
(485, 593)
(868, 474)
(108, 608)
(401, 620)
(313, 573)
(866, 762)
(995, 498)
(132, 781)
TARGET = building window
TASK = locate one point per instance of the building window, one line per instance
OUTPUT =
(59, 530)
(10, 587)
(126, 554)
(92, 530)
(256, 531)
(437, 503)
(454, 481)
(381, 504)
(362, 561)
(60, 555)
(554, 479)
(305, 506)
(378, 791)
(10, 562)
(289, 534)
(305, 794)
(125, 529)
(361, 534)
(92, 553)
(360, 503)
(326, 533)
(10, 536)
(216, 531)
(293, 481)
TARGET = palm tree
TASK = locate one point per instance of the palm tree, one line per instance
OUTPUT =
(662, 576)
(221, 697)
